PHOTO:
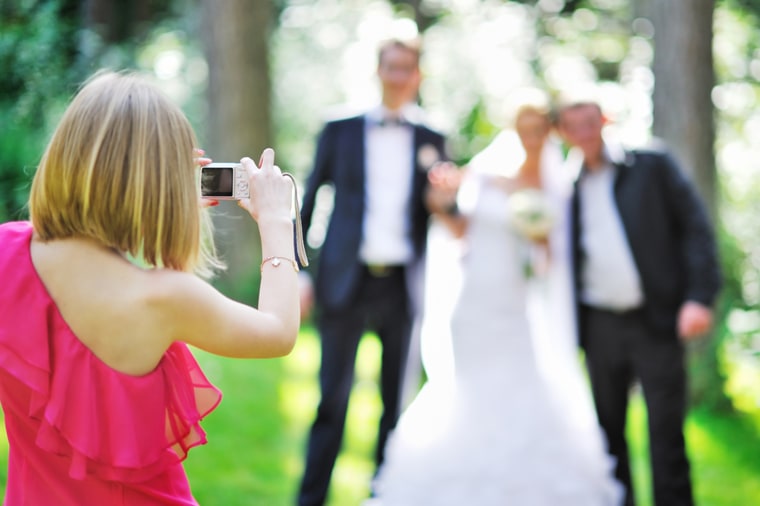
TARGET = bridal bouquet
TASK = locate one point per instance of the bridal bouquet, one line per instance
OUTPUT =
(530, 214)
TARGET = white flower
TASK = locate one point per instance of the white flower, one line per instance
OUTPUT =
(427, 156)
(530, 214)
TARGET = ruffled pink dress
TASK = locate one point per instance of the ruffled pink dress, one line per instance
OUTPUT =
(81, 433)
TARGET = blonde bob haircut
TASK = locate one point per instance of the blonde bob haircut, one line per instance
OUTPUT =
(120, 170)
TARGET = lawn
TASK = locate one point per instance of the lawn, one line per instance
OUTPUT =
(258, 434)
(279, 397)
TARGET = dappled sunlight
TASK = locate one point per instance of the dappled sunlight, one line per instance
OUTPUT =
(298, 393)
(479, 57)
(179, 70)
(304, 359)
(364, 410)
(723, 449)
(479, 54)
(741, 358)
(355, 467)
(638, 437)
(350, 480)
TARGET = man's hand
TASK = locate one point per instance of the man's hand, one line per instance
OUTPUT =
(445, 179)
(694, 320)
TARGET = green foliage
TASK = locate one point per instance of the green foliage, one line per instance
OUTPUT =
(36, 54)
(597, 31)
(568, 6)
(736, 95)
(749, 7)
(474, 134)
(707, 367)
(18, 152)
(739, 332)
(45, 53)
(425, 14)
(37, 47)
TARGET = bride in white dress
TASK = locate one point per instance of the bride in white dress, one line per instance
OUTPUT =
(508, 418)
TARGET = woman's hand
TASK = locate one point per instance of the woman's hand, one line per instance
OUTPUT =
(226, 327)
(271, 195)
(201, 161)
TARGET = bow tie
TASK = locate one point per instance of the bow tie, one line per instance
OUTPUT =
(392, 121)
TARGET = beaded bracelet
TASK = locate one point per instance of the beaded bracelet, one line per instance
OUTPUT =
(276, 261)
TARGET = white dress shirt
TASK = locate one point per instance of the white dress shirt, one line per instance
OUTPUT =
(610, 278)
(389, 167)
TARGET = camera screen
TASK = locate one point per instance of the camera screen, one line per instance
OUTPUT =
(217, 181)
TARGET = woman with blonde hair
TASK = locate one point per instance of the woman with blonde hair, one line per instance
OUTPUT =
(102, 397)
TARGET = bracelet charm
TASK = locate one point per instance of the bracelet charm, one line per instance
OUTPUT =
(277, 261)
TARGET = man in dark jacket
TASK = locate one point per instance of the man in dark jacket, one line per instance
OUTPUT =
(377, 165)
(646, 276)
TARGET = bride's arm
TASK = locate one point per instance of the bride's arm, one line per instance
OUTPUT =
(452, 219)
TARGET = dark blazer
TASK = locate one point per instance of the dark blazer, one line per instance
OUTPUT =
(669, 233)
(339, 161)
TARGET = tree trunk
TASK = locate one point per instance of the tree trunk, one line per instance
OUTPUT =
(683, 117)
(684, 78)
(235, 36)
(117, 21)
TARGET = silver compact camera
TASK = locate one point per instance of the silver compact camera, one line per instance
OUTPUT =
(224, 181)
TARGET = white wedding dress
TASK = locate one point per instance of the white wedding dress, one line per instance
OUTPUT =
(505, 417)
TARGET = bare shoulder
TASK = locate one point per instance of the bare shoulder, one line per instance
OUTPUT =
(126, 315)
(172, 294)
(167, 284)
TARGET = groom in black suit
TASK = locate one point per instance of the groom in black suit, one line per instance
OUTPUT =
(377, 165)
(647, 274)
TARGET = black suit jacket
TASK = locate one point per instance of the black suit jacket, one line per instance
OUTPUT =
(669, 234)
(340, 161)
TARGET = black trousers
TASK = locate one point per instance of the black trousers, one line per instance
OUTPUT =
(382, 306)
(621, 348)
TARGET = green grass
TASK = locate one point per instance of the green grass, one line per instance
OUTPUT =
(257, 437)
(724, 451)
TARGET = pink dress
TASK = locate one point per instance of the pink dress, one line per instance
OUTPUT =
(80, 432)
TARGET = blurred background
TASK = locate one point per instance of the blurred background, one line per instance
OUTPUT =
(257, 73)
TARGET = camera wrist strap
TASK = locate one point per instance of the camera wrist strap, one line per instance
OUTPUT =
(300, 246)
